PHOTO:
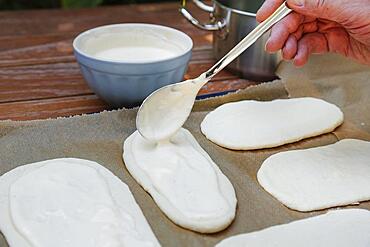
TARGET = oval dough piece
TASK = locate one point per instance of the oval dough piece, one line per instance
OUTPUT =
(321, 177)
(249, 124)
(339, 228)
(183, 180)
(70, 202)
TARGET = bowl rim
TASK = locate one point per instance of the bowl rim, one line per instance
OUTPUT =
(86, 32)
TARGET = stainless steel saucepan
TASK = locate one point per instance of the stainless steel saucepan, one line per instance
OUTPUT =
(231, 21)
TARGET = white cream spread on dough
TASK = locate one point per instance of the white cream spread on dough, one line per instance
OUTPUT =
(164, 112)
(339, 228)
(183, 180)
(249, 124)
(70, 202)
(320, 177)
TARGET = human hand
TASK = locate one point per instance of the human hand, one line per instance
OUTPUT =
(319, 26)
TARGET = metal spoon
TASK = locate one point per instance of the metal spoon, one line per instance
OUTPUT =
(165, 110)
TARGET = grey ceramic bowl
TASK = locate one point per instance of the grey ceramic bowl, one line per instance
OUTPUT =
(124, 63)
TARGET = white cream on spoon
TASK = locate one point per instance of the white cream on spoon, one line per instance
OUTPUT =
(162, 115)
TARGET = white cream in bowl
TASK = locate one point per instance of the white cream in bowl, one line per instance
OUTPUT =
(133, 43)
(134, 53)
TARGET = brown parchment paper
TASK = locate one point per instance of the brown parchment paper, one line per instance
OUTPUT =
(99, 137)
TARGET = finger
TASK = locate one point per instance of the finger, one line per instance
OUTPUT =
(325, 25)
(281, 31)
(338, 40)
(308, 19)
(299, 33)
(310, 43)
(310, 27)
(267, 8)
(290, 49)
(325, 9)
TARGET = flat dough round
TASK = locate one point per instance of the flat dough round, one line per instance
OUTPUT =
(48, 204)
(339, 228)
(183, 180)
(249, 124)
(321, 177)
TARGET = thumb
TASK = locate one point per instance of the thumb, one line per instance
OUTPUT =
(325, 9)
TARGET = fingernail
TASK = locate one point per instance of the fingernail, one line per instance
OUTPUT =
(266, 46)
(298, 64)
(266, 49)
(298, 3)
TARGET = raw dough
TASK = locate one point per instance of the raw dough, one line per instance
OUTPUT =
(70, 202)
(339, 228)
(183, 180)
(321, 177)
(250, 124)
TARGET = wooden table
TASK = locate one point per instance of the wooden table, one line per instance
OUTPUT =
(39, 77)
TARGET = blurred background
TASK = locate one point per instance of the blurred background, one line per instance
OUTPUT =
(37, 4)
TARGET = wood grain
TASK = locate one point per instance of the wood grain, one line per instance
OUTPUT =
(52, 108)
(83, 104)
(39, 76)
(62, 79)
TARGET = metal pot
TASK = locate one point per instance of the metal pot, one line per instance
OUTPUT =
(231, 21)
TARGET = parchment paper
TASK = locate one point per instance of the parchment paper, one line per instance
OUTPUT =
(99, 137)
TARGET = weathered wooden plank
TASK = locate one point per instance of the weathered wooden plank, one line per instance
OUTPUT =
(51, 108)
(22, 23)
(201, 39)
(74, 105)
(62, 51)
(39, 77)
(216, 87)
(198, 67)
(63, 79)
(41, 81)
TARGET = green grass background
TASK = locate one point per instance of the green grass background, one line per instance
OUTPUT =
(36, 4)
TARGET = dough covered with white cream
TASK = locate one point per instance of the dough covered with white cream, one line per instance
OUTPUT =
(183, 180)
(339, 228)
(249, 124)
(70, 202)
(321, 177)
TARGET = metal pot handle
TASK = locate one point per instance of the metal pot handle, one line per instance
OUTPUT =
(205, 26)
(203, 6)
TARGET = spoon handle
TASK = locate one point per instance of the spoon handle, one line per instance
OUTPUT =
(280, 13)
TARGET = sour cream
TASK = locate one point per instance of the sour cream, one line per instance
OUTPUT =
(135, 53)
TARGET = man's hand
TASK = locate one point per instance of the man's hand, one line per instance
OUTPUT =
(319, 26)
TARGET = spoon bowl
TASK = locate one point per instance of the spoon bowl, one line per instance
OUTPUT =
(160, 109)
